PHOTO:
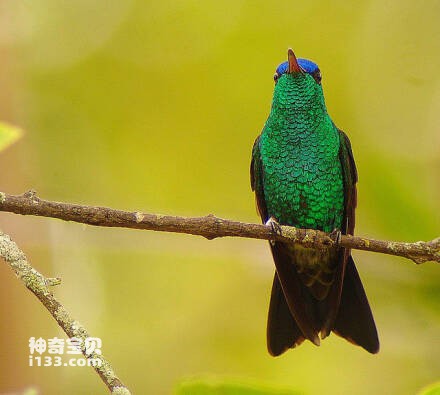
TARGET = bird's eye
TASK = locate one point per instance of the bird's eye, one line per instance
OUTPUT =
(317, 76)
(275, 77)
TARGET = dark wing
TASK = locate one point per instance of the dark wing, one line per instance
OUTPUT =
(257, 180)
(350, 179)
(354, 320)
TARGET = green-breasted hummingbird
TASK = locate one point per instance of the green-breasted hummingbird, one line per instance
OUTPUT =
(304, 175)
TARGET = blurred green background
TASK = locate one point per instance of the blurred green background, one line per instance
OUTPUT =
(155, 106)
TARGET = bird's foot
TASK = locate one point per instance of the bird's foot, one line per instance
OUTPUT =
(336, 236)
(274, 226)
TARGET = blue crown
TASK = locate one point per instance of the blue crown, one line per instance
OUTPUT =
(307, 65)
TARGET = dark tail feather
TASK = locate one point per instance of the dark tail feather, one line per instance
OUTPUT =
(282, 331)
(354, 320)
(299, 303)
(294, 315)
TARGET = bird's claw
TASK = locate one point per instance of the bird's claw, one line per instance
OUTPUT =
(274, 225)
(336, 236)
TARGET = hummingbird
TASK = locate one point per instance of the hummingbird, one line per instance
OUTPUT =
(303, 174)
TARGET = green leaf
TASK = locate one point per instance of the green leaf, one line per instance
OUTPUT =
(216, 387)
(433, 389)
(8, 135)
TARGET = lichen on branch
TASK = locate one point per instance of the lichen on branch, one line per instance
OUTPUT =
(39, 286)
(211, 227)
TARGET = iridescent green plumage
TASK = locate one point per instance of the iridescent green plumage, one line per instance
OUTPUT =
(299, 147)
(304, 175)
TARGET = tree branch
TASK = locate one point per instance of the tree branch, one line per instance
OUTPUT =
(211, 227)
(39, 286)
